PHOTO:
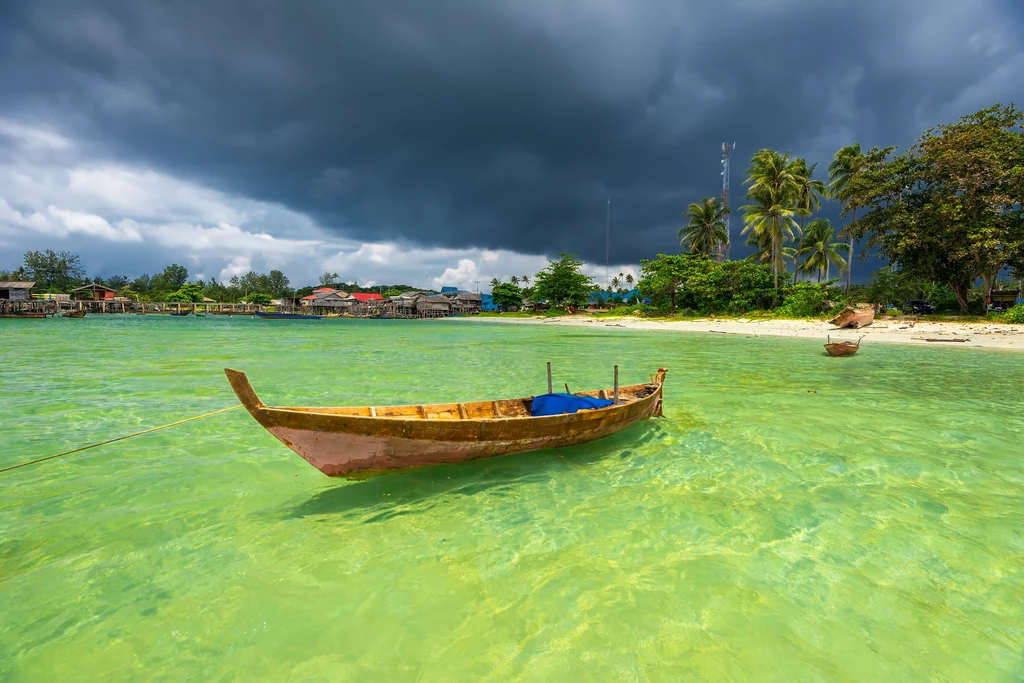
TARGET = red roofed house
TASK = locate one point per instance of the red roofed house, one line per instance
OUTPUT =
(363, 297)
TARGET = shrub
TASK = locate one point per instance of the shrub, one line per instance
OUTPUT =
(1015, 315)
(805, 300)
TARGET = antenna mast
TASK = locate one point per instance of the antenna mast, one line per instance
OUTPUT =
(607, 238)
(726, 150)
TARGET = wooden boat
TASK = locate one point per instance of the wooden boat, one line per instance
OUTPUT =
(180, 314)
(842, 348)
(74, 314)
(286, 316)
(26, 314)
(854, 317)
(369, 440)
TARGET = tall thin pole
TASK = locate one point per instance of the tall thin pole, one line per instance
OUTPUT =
(726, 150)
(607, 240)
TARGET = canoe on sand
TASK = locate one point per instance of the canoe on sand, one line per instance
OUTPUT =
(342, 442)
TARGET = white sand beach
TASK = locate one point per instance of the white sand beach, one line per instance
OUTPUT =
(982, 334)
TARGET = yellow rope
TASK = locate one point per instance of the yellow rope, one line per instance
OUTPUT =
(120, 438)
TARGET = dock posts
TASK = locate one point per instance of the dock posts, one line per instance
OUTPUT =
(549, 379)
(615, 395)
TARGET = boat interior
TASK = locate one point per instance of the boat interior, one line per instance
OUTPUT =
(476, 410)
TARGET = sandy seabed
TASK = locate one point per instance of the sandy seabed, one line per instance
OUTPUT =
(981, 334)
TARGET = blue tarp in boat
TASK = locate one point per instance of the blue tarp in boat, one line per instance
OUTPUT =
(560, 404)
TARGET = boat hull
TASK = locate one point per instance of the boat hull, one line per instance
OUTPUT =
(839, 349)
(351, 445)
(854, 317)
(286, 316)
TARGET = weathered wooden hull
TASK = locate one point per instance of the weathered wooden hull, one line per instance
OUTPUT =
(854, 317)
(841, 349)
(74, 314)
(351, 444)
(287, 316)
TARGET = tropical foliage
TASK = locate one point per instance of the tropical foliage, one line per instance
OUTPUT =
(563, 283)
(706, 233)
(507, 295)
(951, 208)
(769, 219)
(819, 251)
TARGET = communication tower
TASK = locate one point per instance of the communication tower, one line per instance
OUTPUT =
(726, 150)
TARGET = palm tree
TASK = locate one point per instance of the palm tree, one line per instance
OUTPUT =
(514, 280)
(629, 280)
(525, 279)
(844, 169)
(616, 283)
(706, 230)
(769, 220)
(495, 282)
(810, 192)
(819, 250)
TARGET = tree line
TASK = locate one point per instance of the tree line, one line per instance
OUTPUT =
(949, 211)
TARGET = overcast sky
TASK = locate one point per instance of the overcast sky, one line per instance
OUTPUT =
(446, 142)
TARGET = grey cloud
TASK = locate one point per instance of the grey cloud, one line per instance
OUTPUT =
(494, 124)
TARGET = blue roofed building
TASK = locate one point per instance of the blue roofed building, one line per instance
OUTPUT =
(633, 296)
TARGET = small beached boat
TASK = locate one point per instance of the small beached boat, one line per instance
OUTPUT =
(842, 348)
(180, 314)
(73, 314)
(286, 316)
(854, 317)
(372, 439)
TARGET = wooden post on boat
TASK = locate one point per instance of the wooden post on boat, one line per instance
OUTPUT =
(615, 395)
(549, 378)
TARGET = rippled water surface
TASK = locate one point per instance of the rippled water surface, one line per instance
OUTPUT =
(795, 517)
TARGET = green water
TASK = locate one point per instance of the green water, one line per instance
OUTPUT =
(795, 517)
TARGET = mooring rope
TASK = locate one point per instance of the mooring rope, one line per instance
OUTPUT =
(120, 438)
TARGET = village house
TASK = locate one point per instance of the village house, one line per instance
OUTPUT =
(16, 291)
(92, 292)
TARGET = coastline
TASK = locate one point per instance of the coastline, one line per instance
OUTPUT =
(979, 335)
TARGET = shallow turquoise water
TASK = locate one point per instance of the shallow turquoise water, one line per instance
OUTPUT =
(795, 517)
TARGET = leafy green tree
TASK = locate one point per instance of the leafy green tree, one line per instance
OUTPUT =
(306, 291)
(277, 284)
(705, 285)
(190, 291)
(950, 209)
(810, 192)
(507, 295)
(819, 250)
(661, 278)
(563, 282)
(258, 299)
(845, 172)
(141, 284)
(328, 279)
(171, 279)
(706, 232)
(494, 283)
(773, 189)
(115, 282)
(54, 271)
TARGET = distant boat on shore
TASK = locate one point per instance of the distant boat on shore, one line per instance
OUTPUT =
(286, 316)
(854, 317)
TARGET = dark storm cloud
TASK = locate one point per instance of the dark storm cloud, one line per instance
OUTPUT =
(497, 125)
